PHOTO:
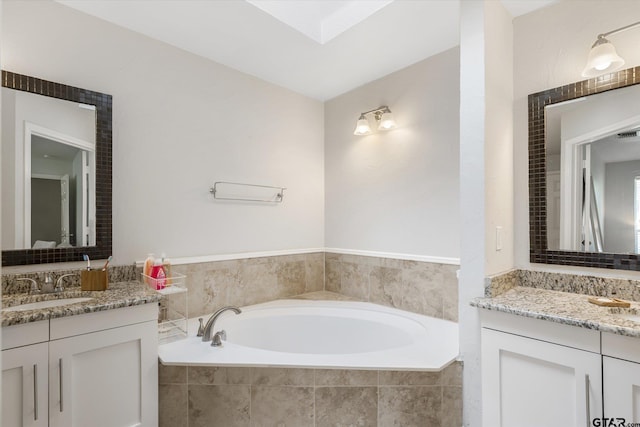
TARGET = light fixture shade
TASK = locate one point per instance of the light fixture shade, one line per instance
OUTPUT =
(602, 59)
(362, 127)
(386, 121)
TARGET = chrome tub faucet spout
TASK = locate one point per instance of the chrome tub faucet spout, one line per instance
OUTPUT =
(206, 332)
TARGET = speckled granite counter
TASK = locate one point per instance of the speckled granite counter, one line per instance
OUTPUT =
(563, 307)
(123, 294)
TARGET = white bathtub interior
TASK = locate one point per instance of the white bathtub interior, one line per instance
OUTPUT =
(321, 334)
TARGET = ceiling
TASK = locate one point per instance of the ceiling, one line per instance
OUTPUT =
(319, 48)
(42, 147)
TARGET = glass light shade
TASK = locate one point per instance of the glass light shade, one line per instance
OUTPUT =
(602, 59)
(386, 121)
(362, 127)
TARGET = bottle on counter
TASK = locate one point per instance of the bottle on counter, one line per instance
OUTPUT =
(166, 265)
(146, 269)
(158, 274)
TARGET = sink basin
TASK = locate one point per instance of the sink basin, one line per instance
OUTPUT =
(46, 304)
(632, 314)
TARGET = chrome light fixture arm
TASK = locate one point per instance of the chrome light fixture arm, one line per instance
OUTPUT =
(618, 30)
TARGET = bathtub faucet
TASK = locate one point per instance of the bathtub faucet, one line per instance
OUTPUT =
(206, 331)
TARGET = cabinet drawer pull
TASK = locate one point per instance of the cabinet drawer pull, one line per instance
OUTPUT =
(60, 373)
(35, 392)
(587, 395)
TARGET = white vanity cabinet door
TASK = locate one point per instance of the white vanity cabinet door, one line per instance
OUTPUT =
(532, 383)
(105, 379)
(24, 386)
(621, 380)
(621, 377)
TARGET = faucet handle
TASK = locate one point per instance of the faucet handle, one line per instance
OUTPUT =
(47, 285)
(217, 338)
(200, 328)
(34, 285)
(59, 286)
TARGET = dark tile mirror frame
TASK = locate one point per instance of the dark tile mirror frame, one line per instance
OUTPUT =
(538, 174)
(103, 104)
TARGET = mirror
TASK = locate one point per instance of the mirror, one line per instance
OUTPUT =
(584, 173)
(56, 172)
(48, 172)
(593, 172)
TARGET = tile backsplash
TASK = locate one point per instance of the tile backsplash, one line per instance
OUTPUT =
(578, 284)
(122, 273)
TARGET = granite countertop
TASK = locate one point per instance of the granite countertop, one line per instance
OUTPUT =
(566, 308)
(123, 294)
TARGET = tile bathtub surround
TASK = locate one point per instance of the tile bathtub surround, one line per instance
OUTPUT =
(578, 284)
(420, 287)
(121, 273)
(213, 285)
(291, 397)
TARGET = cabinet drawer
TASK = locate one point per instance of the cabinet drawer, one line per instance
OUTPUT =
(25, 334)
(621, 347)
(92, 322)
(543, 330)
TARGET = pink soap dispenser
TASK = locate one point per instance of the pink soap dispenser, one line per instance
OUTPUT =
(157, 273)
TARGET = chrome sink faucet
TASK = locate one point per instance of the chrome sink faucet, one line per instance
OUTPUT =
(35, 289)
(205, 332)
(47, 286)
(59, 286)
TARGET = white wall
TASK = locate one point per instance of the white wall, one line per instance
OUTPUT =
(397, 191)
(486, 170)
(180, 123)
(550, 50)
(498, 144)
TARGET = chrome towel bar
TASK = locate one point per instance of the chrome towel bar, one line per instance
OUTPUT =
(224, 190)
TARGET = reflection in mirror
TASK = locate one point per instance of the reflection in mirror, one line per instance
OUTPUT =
(593, 173)
(62, 194)
(48, 172)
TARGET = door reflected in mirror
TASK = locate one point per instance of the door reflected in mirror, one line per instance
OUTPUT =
(48, 172)
(593, 173)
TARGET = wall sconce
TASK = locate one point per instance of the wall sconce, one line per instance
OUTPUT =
(603, 57)
(383, 117)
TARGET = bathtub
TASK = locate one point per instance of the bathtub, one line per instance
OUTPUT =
(321, 334)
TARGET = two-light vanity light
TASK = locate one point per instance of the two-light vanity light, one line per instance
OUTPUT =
(603, 57)
(383, 117)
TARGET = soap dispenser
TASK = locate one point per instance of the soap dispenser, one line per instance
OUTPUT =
(158, 274)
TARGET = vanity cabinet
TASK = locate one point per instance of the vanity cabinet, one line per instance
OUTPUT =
(97, 369)
(537, 373)
(621, 377)
(24, 386)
